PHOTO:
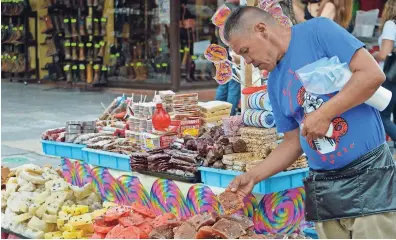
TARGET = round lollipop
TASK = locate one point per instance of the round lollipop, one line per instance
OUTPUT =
(223, 72)
(216, 53)
(221, 15)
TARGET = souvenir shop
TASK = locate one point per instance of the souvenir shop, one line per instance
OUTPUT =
(149, 44)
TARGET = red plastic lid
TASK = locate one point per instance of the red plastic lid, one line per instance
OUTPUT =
(251, 90)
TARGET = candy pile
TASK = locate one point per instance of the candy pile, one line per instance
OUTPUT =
(35, 197)
(178, 162)
(213, 112)
(186, 105)
(259, 140)
(239, 161)
(167, 100)
(76, 128)
(55, 134)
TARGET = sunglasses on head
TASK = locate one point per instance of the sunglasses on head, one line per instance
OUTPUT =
(311, 1)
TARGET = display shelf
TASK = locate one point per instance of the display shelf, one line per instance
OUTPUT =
(62, 149)
(107, 159)
(279, 182)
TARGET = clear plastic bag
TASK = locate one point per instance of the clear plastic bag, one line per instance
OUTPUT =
(330, 75)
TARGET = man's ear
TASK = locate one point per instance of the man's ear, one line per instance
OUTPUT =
(261, 28)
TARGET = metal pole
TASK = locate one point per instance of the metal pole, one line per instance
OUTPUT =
(174, 38)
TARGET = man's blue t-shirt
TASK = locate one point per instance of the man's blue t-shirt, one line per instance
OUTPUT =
(356, 131)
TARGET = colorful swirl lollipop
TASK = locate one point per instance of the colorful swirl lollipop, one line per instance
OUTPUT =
(68, 170)
(220, 16)
(84, 173)
(223, 72)
(273, 7)
(79, 170)
(280, 212)
(111, 184)
(100, 186)
(167, 197)
(216, 53)
(200, 198)
(134, 190)
(251, 205)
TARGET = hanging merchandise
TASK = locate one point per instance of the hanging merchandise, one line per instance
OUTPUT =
(76, 32)
(17, 40)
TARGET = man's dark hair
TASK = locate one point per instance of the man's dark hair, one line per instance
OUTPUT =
(235, 21)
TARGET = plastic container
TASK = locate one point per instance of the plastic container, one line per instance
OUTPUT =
(309, 232)
(62, 149)
(279, 182)
(107, 159)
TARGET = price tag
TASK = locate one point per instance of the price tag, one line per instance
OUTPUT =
(117, 54)
(67, 44)
(81, 45)
(74, 44)
(66, 68)
(82, 67)
(96, 67)
(89, 19)
(104, 68)
(14, 57)
(194, 57)
(89, 44)
(97, 46)
(66, 20)
(132, 64)
(181, 50)
(164, 65)
(160, 49)
(138, 64)
(14, 29)
(74, 20)
(103, 19)
(186, 49)
(21, 28)
(102, 43)
(74, 67)
(158, 65)
(96, 20)
(112, 56)
(6, 27)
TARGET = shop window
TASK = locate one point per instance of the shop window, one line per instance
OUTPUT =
(196, 33)
(141, 52)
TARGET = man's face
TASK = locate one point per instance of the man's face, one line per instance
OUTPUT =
(255, 47)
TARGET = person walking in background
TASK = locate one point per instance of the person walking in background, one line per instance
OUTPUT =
(387, 42)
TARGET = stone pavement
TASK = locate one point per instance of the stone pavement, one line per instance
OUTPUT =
(27, 111)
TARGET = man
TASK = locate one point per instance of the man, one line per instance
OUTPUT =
(351, 188)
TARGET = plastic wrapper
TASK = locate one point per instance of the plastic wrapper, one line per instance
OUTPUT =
(327, 76)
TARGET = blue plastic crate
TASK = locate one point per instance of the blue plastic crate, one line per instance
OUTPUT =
(107, 159)
(62, 149)
(311, 233)
(279, 182)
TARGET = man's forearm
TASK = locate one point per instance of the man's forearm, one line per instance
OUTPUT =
(355, 92)
(281, 158)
